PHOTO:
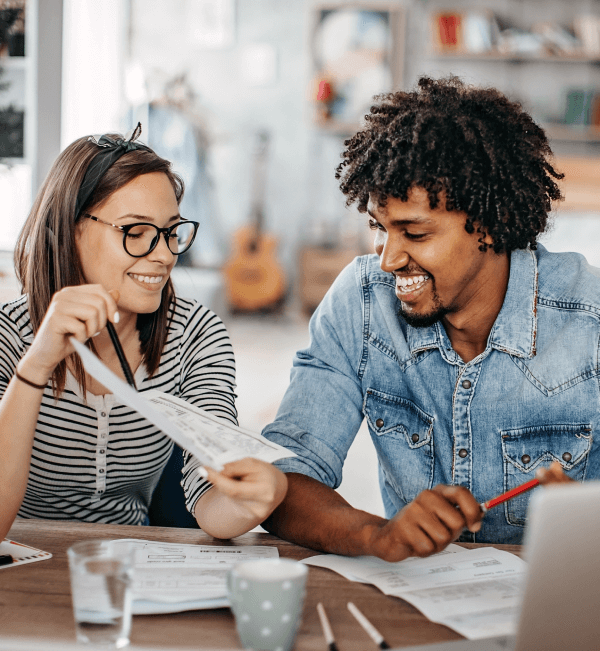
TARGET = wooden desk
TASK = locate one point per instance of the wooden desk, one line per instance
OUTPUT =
(35, 599)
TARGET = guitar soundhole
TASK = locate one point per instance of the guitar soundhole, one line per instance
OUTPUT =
(250, 275)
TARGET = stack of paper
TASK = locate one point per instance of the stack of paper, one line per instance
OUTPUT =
(476, 592)
(170, 578)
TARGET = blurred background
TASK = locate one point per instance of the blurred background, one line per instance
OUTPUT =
(252, 101)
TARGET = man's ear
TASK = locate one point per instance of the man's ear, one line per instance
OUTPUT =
(488, 239)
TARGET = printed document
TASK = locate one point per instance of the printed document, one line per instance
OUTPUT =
(476, 592)
(170, 578)
(211, 440)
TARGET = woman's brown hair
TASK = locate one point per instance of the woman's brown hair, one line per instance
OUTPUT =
(46, 258)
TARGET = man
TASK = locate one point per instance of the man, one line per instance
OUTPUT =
(472, 352)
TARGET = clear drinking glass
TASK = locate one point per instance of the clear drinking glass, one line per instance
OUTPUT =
(101, 579)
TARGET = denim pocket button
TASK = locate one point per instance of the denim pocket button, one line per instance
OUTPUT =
(462, 453)
(403, 434)
(466, 384)
(528, 448)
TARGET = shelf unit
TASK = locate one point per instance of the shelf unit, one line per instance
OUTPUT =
(542, 80)
(514, 57)
(35, 87)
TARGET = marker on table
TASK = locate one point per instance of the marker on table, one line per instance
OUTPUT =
(327, 632)
(372, 632)
(523, 488)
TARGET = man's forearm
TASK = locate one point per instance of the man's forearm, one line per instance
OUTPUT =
(315, 516)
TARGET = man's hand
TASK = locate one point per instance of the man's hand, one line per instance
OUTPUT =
(552, 475)
(428, 524)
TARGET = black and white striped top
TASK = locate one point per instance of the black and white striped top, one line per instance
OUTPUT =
(100, 461)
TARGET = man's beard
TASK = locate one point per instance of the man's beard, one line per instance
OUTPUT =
(425, 320)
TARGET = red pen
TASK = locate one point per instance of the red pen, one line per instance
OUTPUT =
(523, 488)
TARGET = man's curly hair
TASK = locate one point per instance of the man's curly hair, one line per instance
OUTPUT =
(474, 146)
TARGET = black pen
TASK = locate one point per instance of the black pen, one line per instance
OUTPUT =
(371, 631)
(120, 354)
(6, 559)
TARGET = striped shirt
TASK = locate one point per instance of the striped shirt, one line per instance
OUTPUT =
(100, 461)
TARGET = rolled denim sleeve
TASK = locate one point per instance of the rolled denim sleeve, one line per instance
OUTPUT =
(321, 411)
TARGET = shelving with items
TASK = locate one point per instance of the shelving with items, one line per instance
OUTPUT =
(13, 77)
(483, 32)
(357, 51)
(475, 42)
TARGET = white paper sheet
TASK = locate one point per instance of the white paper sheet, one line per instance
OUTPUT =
(349, 566)
(476, 592)
(21, 553)
(169, 577)
(211, 440)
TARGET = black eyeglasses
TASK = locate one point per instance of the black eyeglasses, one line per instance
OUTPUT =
(141, 239)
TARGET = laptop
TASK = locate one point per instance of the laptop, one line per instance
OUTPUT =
(561, 603)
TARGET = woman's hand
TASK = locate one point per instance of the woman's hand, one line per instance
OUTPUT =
(256, 486)
(81, 312)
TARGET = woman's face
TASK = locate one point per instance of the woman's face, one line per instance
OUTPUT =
(140, 281)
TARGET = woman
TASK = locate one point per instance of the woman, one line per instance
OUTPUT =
(99, 246)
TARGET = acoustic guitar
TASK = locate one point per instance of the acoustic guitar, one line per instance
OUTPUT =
(254, 279)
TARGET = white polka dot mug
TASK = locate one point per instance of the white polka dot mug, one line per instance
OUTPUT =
(266, 598)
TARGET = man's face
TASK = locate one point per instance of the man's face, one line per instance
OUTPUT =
(438, 266)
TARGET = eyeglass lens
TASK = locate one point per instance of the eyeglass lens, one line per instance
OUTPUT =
(142, 238)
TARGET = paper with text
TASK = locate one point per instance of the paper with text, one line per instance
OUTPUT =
(476, 592)
(348, 566)
(211, 440)
(21, 553)
(169, 577)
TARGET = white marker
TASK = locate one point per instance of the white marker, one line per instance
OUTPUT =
(327, 632)
(372, 632)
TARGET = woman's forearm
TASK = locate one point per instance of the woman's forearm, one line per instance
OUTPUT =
(19, 410)
(222, 517)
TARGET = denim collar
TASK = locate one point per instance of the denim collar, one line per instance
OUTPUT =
(515, 328)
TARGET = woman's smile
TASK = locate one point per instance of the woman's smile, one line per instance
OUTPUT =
(150, 282)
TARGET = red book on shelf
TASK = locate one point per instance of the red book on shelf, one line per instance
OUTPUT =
(449, 30)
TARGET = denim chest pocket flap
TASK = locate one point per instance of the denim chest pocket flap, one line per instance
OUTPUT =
(403, 436)
(525, 450)
(393, 415)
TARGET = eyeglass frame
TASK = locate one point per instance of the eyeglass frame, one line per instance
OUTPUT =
(164, 231)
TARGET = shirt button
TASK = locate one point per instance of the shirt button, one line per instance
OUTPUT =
(101, 471)
(102, 450)
(567, 456)
(525, 459)
(466, 384)
(462, 453)
(379, 422)
(415, 438)
(103, 414)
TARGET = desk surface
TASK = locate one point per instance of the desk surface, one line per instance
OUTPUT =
(35, 599)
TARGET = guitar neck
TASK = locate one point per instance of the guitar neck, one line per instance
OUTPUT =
(257, 212)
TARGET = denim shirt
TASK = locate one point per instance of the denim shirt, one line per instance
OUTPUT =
(530, 398)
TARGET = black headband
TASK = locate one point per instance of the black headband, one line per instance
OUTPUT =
(110, 151)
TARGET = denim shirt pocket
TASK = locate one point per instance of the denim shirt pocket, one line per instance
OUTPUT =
(525, 450)
(403, 436)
